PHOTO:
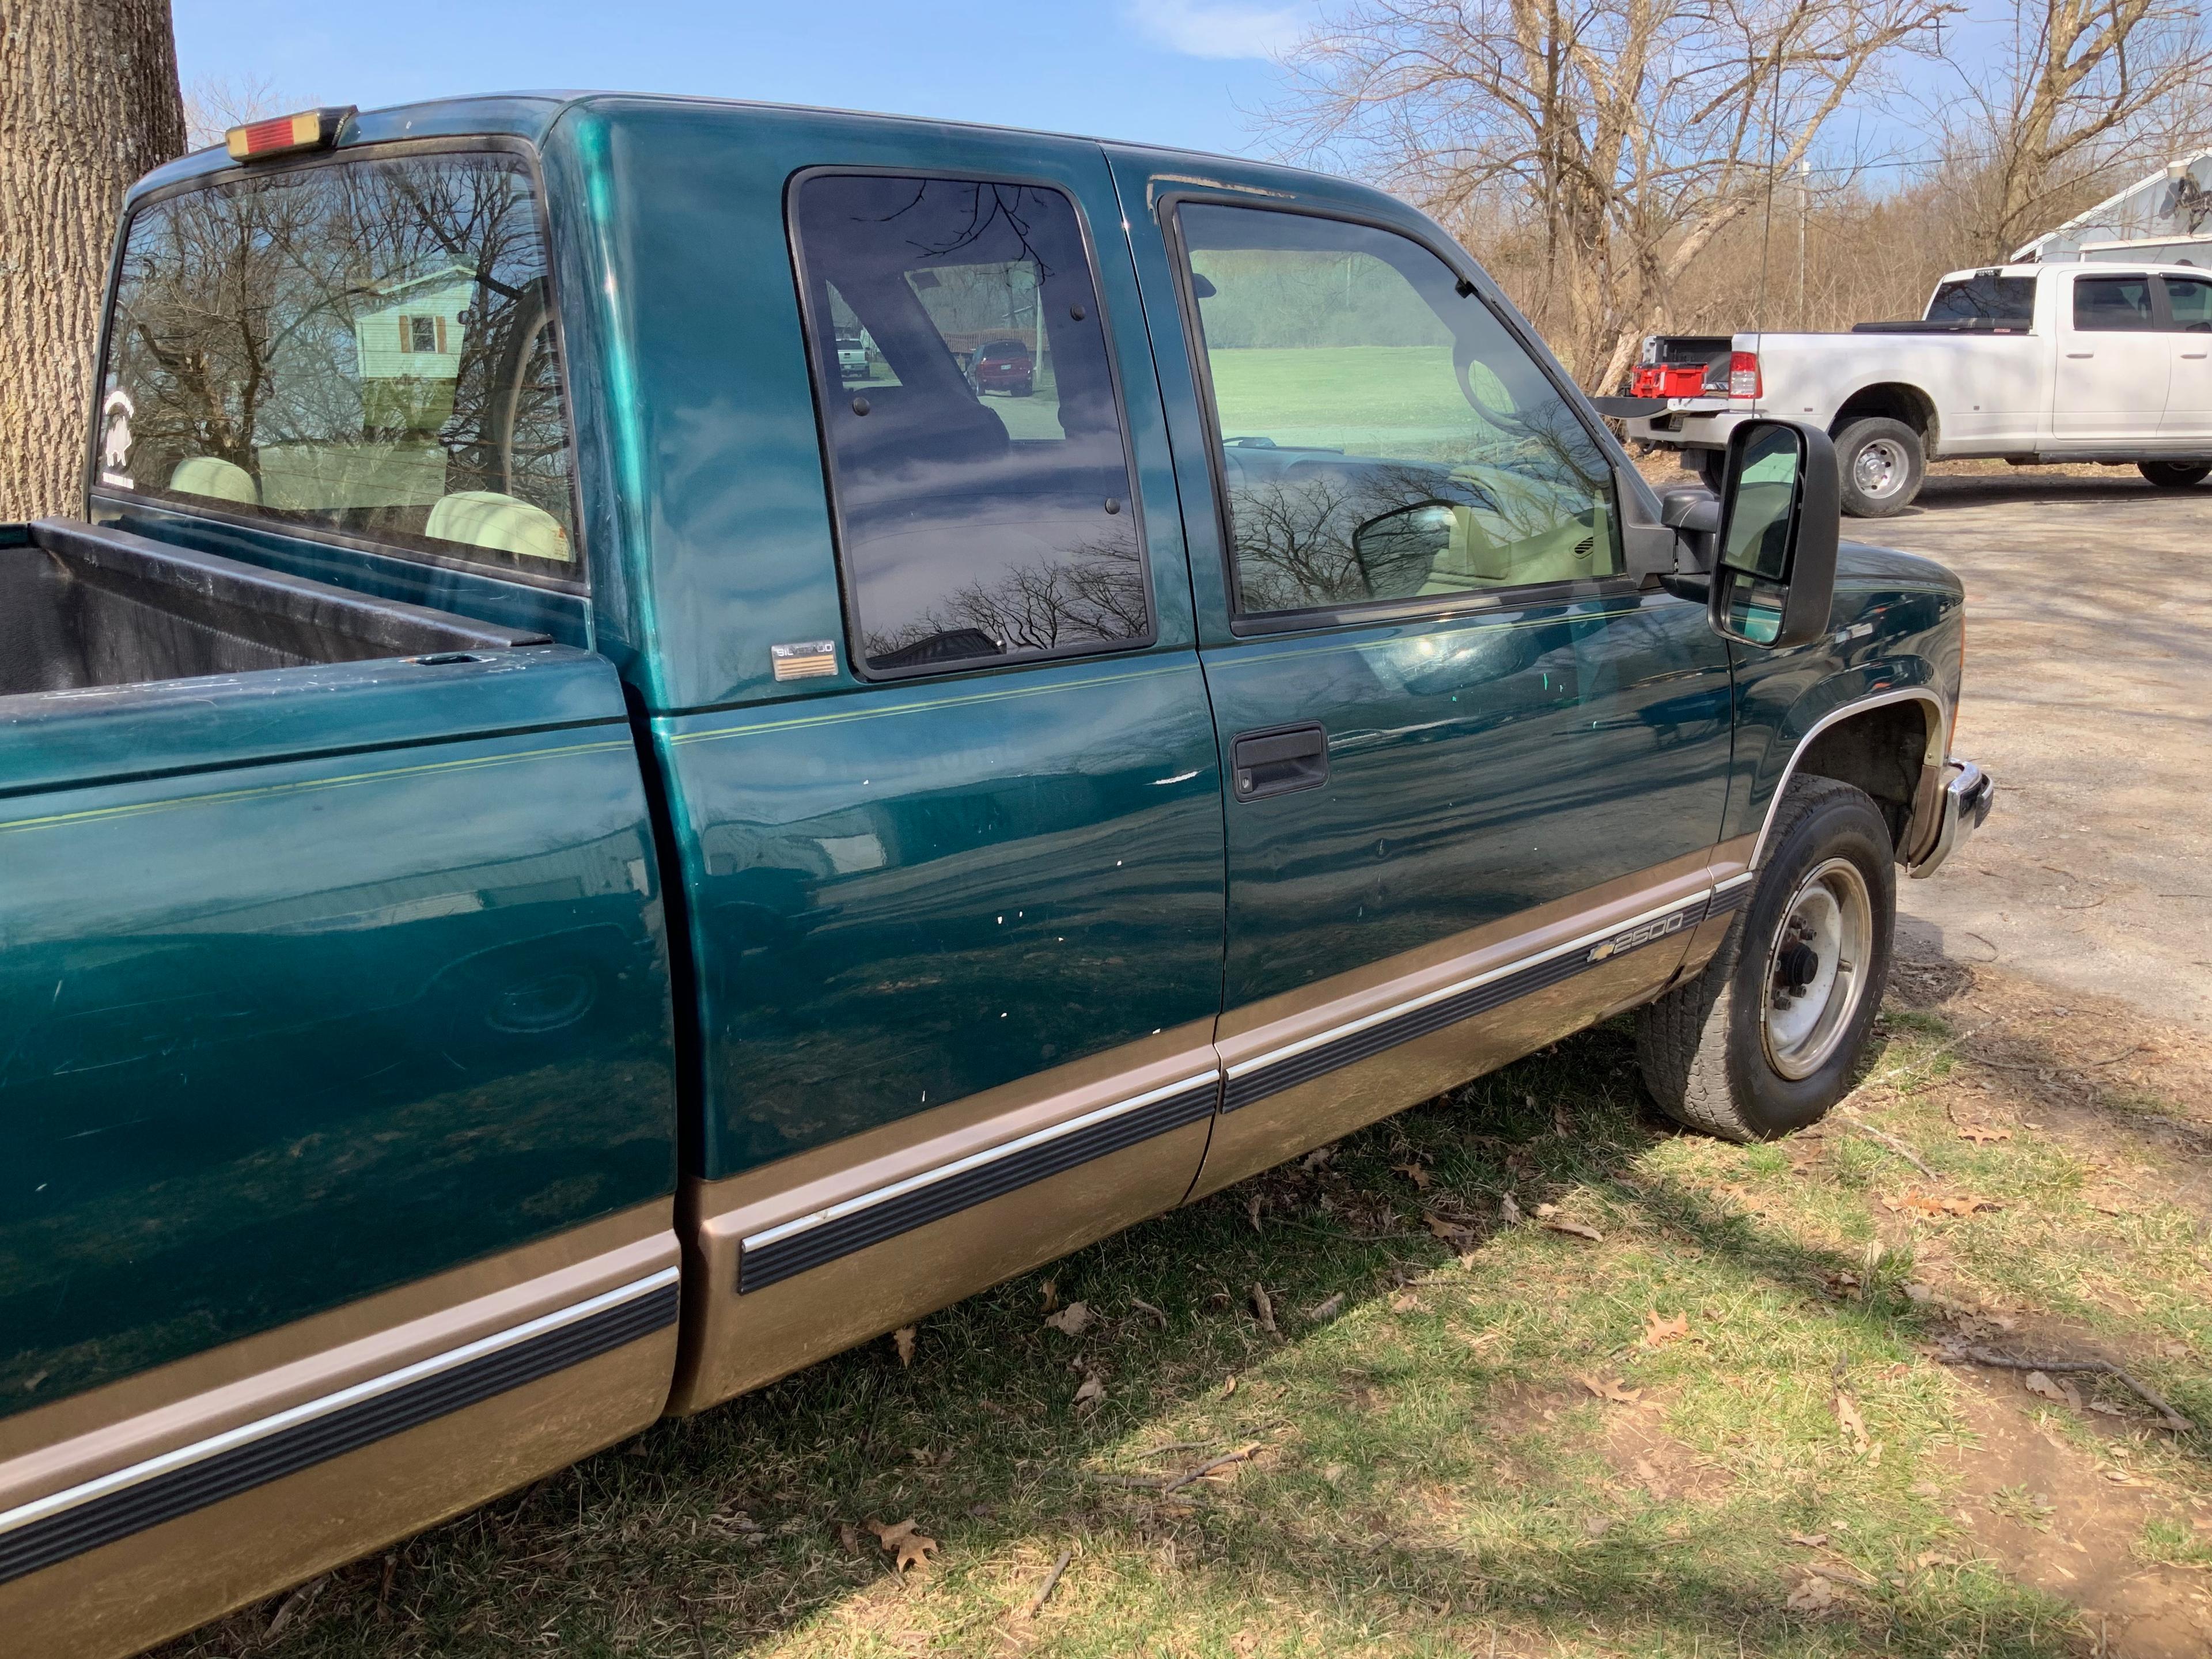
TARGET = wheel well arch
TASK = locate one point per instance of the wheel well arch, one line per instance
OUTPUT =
(1890, 746)
(1894, 400)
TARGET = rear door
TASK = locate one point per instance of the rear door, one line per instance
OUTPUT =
(337, 1082)
(1476, 773)
(955, 872)
(2188, 332)
(2114, 363)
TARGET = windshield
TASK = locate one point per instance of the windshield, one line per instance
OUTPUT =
(2001, 302)
(365, 348)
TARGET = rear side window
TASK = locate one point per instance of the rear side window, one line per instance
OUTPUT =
(977, 454)
(2104, 305)
(2000, 302)
(365, 347)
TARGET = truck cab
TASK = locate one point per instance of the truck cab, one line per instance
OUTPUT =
(571, 850)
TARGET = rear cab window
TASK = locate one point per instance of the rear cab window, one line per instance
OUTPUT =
(1998, 302)
(358, 347)
(979, 462)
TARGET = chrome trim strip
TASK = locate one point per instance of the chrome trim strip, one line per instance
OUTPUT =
(1938, 736)
(1736, 881)
(870, 1200)
(247, 1433)
(1519, 964)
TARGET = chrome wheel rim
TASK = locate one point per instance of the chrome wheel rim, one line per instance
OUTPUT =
(1879, 469)
(1816, 969)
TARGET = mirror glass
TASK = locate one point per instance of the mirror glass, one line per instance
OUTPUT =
(1762, 503)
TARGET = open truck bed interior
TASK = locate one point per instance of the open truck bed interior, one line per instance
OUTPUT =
(83, 604)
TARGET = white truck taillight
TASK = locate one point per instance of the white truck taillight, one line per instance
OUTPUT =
(1743, 375)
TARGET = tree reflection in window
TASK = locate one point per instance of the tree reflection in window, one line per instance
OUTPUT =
(985, 502)
(366, 346)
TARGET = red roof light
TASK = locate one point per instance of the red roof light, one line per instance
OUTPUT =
(284, 135)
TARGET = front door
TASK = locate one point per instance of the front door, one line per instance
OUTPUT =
(1476, 773)
(2114, 364)
(2188, 338)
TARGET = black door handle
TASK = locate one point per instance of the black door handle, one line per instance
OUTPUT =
(1277, 760)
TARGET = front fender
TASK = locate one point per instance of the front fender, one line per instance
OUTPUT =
(1780, 714)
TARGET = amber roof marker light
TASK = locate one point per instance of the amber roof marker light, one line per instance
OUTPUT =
(288, 135)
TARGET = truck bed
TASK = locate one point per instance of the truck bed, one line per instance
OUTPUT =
(84, 605)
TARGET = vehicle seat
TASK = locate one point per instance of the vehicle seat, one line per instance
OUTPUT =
(485, 518)
(1531, 535)
(218, 480)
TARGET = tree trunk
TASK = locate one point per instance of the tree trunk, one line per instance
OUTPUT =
(88, 102)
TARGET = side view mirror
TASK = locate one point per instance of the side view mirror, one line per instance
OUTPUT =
(1774, 575)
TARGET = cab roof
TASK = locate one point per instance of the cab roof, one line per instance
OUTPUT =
(530, 116)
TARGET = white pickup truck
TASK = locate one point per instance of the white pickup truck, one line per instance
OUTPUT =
(2028, 363)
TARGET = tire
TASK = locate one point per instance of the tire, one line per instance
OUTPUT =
(1881, 464)
(1716, 1052)
(2173, 475)
(1711, 465)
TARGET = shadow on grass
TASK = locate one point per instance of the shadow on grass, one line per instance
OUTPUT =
(720, 1534)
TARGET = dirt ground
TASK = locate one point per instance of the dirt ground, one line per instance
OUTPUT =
(2088, 696)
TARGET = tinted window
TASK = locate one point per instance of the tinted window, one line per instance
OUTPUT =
(366, 348)
(1383, 436)
(2002, 302)
(977, 455)
(2189, 299)
(2107, 304)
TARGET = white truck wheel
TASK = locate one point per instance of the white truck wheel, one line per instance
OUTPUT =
(1882, 465)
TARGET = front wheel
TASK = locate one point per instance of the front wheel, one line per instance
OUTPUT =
(1880, 463)
(2173, 475)
(1764, 1040)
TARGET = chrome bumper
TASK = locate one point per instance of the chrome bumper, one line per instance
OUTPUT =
(1968, 793)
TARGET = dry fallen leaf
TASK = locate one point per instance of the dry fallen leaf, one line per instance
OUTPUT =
(1454, 1233)
(1658, 1333)
(1854, 1425)
(1546, 1212)
(1071, 1321)
(1051, 1289)
(2040, 1384)
(1092, 1392)
(1982, 1133)
(1508, 1211)
(1327, 1309)
(1815, 1594)
(1263, 1309)
(906, 1546)
(1811, 1541)
(1318, 1158)
(1414, 1173)
(1252, 1210)
(1913, 1202)
(1574, 1229)
(1606, 1388)
(1404, 1302)
(1229, 1387)
(902, 1339)
(1598, 1525)
(849, 1537)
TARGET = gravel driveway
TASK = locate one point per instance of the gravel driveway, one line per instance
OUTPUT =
(2089, 690)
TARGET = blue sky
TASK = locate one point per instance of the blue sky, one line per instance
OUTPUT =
(1163, 71)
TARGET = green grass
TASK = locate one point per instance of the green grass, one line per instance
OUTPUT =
(1435, 1475)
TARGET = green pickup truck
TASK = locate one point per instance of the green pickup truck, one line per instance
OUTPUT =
(570, 845)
